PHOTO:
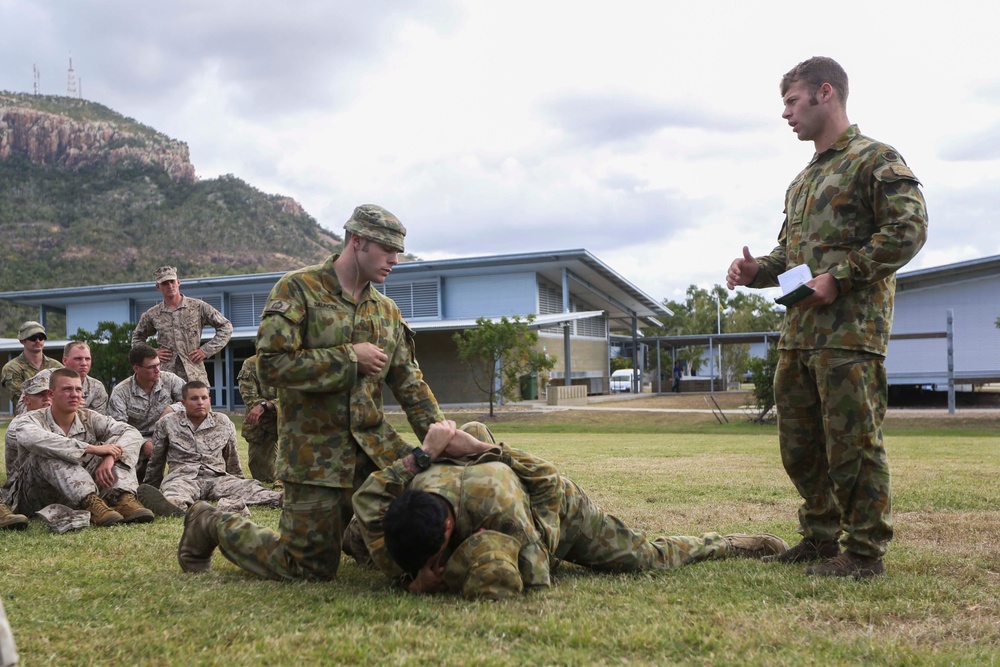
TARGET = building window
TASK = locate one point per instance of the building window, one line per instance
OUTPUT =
(416, 300)
(245, 309)
(550, 302)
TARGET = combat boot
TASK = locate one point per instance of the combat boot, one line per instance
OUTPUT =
(11, 521)
(100, 513)
(849, 564)
(806, 550)
(754, 546)
(153, 498)
(132, 510)
(200, 537)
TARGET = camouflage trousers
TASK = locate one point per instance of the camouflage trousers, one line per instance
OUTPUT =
(43, 481)
(307, 542)
(185, 490)
(831, 404)
(262, 452)
(595, 539)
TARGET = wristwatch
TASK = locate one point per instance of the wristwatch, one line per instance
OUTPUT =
(421, 458)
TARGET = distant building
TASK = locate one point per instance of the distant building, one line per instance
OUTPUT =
(578, 301)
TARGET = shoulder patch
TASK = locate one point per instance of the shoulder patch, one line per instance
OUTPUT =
(277, 306)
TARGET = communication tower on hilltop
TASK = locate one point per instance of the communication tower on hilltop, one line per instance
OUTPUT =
(35, 68)
(71, 80)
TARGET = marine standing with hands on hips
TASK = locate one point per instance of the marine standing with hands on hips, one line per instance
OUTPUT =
(855, 215)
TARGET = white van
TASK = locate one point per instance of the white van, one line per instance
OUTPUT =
(621, 380)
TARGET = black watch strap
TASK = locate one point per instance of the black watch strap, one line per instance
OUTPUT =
(421, 458)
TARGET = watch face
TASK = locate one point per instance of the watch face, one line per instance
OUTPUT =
(422, 458)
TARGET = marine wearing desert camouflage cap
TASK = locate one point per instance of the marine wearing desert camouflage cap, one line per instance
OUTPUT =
(375, 223)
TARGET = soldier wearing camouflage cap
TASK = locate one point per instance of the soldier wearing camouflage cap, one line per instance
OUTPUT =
(177, 323)
(465, 514)
(329, 342)
(854, 216)
(26, 365)
(35, 395)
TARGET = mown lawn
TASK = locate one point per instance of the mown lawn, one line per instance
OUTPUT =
(117, 596)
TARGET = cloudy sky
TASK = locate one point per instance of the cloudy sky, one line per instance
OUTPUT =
(648, 133)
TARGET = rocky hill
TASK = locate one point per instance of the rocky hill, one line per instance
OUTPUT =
(88, 197)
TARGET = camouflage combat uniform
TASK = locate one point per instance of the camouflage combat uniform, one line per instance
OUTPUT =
(131, 404)
(180, 330)
(204, 463)
(262, 437)
(95, 396)
(332, 433)
(512, 492)
(16, 372)
(56, 470)
(855, 212)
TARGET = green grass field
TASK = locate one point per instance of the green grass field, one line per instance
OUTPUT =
(117, 596)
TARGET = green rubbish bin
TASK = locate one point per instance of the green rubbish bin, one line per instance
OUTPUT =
(529, 388)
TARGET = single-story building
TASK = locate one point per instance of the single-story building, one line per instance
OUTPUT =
(577, 301)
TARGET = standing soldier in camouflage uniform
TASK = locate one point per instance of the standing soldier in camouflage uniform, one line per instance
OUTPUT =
(329, 342)
(854, 216)
(141, 399)
(77, 457)
(415, 514)
(76, 356)
(200, 447)
(177, 322)
(27, 364)
(260, 424)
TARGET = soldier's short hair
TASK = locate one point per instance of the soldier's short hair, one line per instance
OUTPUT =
(414, 528)
(62, 373)
(193, 384)
(139, 353)
(72, 345)
(815, 72)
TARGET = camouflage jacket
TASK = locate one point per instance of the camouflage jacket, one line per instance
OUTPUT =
(855, 212)
(180, 331)
(208, 450)
(503, 489)
(326, 410)
(95, 396)
(129, 402)
(38, 435)
(253, 393)
(16, 371)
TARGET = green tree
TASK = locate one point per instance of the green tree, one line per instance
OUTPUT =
(762, 375)
(706, 311)
(109, 344)
(499, 353)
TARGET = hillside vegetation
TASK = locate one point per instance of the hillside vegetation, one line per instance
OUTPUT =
(89, 197)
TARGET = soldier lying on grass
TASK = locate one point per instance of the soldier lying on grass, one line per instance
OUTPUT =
(468, 515)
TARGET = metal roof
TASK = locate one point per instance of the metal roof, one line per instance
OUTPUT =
(591, 280)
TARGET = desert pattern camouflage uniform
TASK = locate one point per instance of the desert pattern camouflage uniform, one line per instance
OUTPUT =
(180, 331)
(262, 437)
(204, 463)
(332, 433)
(512, 492)
(131, 404)
(855, 212)
(14, 374)
(95, 396)
(56, 470)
